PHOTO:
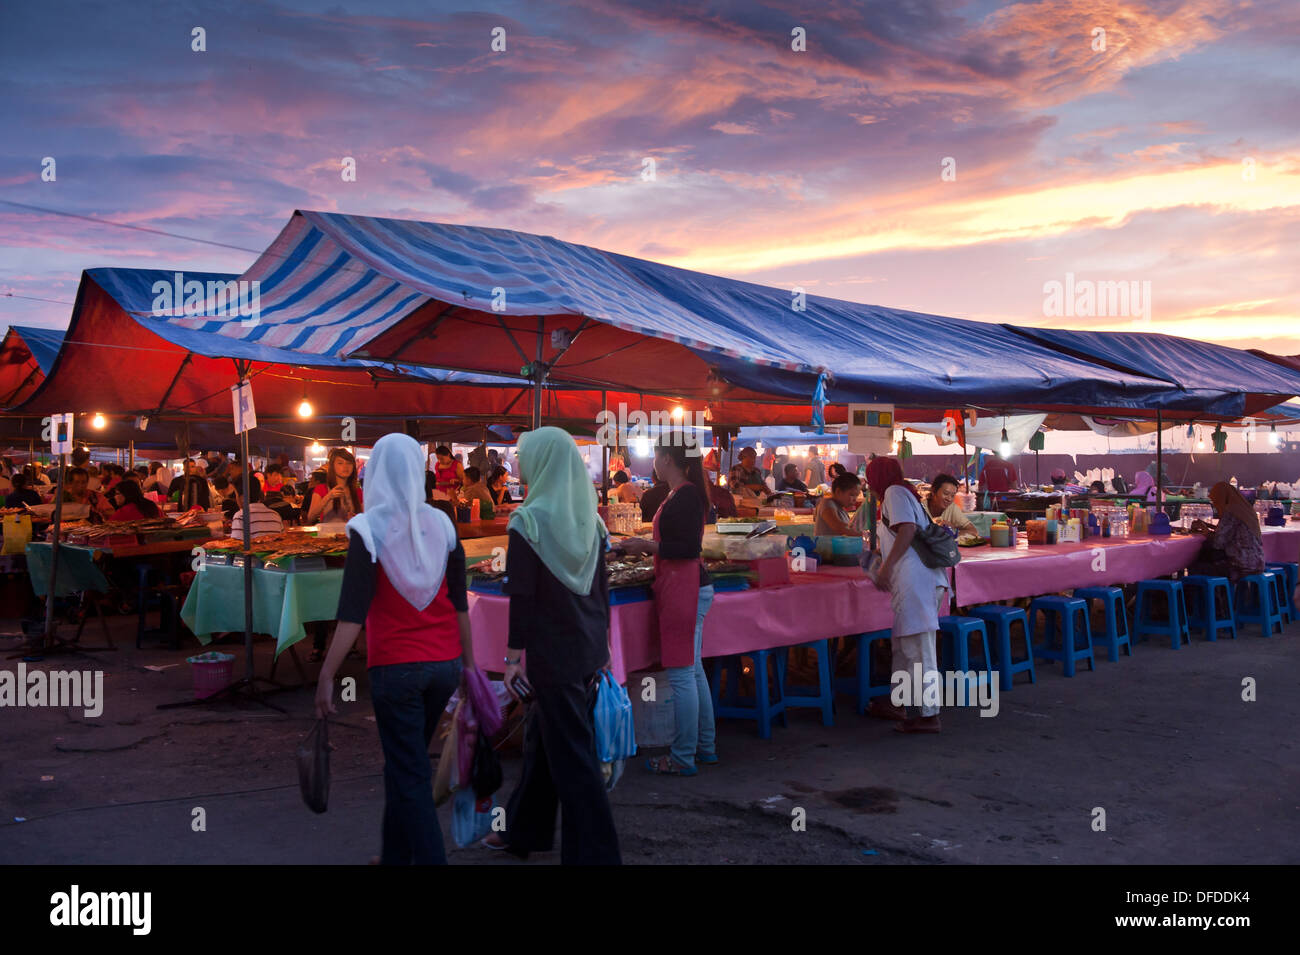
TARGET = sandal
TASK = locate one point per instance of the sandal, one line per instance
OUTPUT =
(667, 766)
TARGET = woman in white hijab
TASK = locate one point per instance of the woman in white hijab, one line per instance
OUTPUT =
(405, 580)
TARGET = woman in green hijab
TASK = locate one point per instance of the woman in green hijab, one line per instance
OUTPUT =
(559, 614)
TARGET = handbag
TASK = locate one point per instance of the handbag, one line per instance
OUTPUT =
(932, 543)
(486, 774)
(314, 767)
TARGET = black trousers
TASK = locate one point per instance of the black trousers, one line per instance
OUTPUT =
(562, 772)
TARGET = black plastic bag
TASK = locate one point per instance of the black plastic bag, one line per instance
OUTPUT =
(486, 774)
(314, 767)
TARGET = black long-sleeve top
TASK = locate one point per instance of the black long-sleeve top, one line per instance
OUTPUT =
(681, 527)
(565, 634)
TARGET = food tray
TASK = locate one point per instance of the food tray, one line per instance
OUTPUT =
(485, 585)
(738, 528)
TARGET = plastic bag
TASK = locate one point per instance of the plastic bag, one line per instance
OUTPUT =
(471, 818)
(615, 732)
(483, 697)
(486, 774)
(447, 779)
(466, 735)
(314, 767)
(17, 533)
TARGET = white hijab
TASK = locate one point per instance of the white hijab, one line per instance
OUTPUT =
(412, 539)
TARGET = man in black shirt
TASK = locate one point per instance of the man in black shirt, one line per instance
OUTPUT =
(654, 497)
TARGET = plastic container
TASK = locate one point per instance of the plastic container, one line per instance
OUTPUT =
(211, 672)
(757, 548)
(845, 551)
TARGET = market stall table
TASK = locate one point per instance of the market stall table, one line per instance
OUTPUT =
(282, 602)
(811, 607)
(988, 574)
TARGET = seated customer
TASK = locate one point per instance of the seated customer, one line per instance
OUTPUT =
(22, 492)
(624, 491)
(1235, 548)
(263, 519)
(477, 489)
(835, 514)
(745, 477)
(131, 503)
(943, 508)
(790, 480)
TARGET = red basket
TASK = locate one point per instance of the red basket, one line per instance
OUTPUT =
(211, 677)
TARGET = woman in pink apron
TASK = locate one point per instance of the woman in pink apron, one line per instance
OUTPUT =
(683, 594)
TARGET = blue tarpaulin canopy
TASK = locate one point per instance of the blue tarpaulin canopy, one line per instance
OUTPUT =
(1200, 369)
(43, 342)
(494, 301)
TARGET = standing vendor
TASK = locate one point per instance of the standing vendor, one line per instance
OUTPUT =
(942, 504)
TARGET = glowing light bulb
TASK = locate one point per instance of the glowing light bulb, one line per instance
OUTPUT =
(1273, 438)
(678, 413)
(316, 447)
(98, 421)
(305, 409)
(1004, 446)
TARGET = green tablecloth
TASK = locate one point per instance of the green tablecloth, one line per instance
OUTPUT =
(77, 570)
(282, 602)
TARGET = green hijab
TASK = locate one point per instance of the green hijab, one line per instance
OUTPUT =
(558, 517)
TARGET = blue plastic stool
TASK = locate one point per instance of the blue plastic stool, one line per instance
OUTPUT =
(1291, 572)
(1175, 628)
(821, 696)
(760, 707)
(1201, 612)
(862, 686)
(1000, 620)
(1117, 629)
(957, 632)
(1286, 583)
(1059, 615)
(1263, 608)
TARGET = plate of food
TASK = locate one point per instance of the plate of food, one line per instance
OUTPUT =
(971, 540)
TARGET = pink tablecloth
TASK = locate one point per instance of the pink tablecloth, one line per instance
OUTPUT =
(987, 574)
(1282, 544)
(811, 607)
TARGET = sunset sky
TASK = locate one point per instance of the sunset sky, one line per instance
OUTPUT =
(1171, 157)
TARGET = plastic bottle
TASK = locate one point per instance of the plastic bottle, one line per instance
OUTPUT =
(475, 509)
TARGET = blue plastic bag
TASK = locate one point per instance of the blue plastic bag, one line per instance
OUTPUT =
(615, 732)
(471, 818)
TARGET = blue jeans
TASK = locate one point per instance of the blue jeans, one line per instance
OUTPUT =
(409, 699)
(692, 700)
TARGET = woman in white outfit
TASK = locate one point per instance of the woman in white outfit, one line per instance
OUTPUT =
(917, 592)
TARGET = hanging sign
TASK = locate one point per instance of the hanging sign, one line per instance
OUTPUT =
(61, 433)
(871, 428)
(241, 396)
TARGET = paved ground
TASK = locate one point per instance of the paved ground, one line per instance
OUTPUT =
(1185, 770)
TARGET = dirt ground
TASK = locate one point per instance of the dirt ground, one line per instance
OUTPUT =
(1186, 771)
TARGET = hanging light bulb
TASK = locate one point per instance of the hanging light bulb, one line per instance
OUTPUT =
(98, 421)
(678, 413)
(316, 447)
(1273, 438)
(1004, 446)
(1200, 439)
(305, 408)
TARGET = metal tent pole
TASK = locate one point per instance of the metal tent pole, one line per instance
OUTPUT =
(539, 376)
(47, 639)
(1160, 467)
